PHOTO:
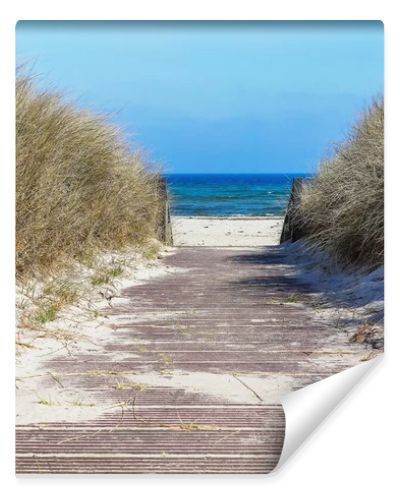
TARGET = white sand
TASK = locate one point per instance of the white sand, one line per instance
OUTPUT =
(40, 394)
(229, 232)
(348, 297)
(229, 387)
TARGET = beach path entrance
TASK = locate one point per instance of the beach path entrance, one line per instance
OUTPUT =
(190, 378)
(226, 231)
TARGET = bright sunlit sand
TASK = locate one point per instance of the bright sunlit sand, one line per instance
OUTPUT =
(226, 231)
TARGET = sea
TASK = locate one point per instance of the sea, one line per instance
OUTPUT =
(228, 195)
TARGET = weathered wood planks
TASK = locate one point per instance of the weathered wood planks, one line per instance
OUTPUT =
(193, 371)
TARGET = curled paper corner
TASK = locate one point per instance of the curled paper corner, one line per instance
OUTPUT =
(306, 408)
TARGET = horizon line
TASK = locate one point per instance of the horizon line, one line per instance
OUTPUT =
(238, 173)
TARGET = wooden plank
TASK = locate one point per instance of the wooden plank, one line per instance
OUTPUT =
(292, 230)
(165, 227)
(223, 319)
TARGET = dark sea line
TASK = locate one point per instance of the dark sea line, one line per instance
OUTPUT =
(229, 194)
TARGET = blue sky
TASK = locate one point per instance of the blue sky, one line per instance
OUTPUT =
(216, 97)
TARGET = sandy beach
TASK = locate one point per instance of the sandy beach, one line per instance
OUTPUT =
(226, 231)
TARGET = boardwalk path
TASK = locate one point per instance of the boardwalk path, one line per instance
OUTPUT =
(196, 363)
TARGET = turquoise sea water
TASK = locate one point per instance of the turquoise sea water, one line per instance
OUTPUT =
(228, 194)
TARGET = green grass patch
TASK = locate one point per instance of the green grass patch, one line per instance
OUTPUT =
(46, 314)
(106, 275)
(294, 298)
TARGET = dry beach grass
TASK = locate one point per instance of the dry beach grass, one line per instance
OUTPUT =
(79, 187)
(342, 207)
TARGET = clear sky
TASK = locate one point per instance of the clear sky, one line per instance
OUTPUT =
(216, 97)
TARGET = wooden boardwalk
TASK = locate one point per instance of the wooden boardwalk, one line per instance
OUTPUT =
(193, 371)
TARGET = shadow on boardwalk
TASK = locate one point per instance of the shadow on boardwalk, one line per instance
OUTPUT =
(350, 291)
(191, 371)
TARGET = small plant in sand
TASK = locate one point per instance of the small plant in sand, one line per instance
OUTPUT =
(126, 386)
(294, 298)
(45, 401)
(46, 314)
(79, 403)
(61, 290)
(44, 307)
(106, 275)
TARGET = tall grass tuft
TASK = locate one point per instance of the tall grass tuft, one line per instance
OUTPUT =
(79, 188)
(342, 207)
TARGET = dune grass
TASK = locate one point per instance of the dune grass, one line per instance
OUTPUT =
(342, 207)
(79, 187)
